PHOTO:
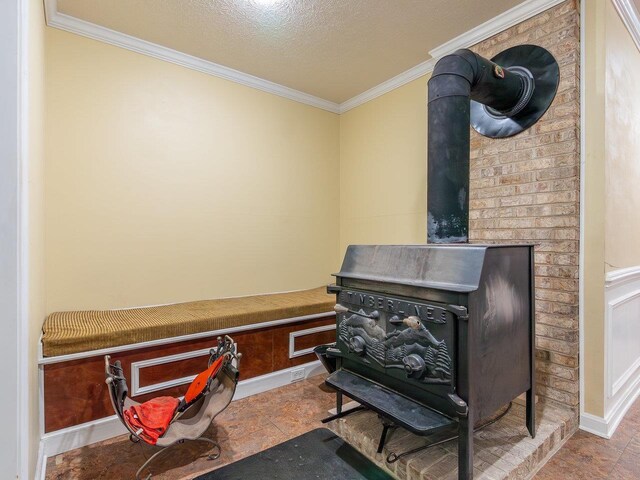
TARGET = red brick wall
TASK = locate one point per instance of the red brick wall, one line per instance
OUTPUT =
(526, 189)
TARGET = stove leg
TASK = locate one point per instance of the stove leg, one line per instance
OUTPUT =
(386, 426)
(531, 412)
(465, 448)
(383, 437)
(338, 403)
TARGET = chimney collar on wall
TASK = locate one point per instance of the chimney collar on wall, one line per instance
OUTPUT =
(540, 75)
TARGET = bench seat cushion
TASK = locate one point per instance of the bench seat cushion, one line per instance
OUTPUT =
(81, 331)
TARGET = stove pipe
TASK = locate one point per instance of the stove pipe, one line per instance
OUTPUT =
(508, 99)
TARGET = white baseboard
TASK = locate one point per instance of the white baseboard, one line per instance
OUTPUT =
(594, 424)
(84, 434)
(606, 427)
(81, 435)
(263, 383)
(41, 465)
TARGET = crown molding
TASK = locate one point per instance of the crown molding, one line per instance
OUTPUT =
(505, 20)
(103, 34)
(497, 24)
(388, 85)
(630, 17)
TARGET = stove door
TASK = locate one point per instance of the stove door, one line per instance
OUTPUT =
(420, 345)
(360, 332)
(412, 344)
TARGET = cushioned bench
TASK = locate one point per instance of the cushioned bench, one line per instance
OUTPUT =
(83, 331)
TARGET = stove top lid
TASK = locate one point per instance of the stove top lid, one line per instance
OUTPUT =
(455, 268)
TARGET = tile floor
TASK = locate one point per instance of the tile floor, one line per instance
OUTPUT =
(259, 422)
(246, 427)
(589, 457)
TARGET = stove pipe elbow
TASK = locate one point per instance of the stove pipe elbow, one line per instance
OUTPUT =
(457, 79)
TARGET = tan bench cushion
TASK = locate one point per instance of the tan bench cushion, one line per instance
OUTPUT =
(81, 331)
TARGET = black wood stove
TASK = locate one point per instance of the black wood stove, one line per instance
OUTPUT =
(435, 336)
(441, 336)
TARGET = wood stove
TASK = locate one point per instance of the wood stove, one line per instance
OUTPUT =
(439, 336)
(435, 336)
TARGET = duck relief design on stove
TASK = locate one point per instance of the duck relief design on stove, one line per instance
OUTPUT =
(413, 348)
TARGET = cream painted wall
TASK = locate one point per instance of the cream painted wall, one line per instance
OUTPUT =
(622, 140)
(383, 162)
(593, 216)
(612, 175)
(36, 218)
(165, 185)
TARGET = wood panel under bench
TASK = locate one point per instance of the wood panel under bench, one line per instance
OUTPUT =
(75, 392)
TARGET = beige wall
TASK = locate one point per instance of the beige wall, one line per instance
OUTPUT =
(622, 145)
(594, 207)
(612, 198)
(383, 168)
(164, 184)
(35, 166)
(200, 181)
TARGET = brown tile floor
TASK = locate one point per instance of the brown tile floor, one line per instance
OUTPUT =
(259, 422)
(247, 426)
(588, 457)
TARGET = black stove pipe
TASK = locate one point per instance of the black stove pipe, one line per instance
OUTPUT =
(457, 79)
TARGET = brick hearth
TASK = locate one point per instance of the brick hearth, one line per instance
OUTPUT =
(503, 450)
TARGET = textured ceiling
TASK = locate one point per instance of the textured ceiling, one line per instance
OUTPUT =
(333, 49)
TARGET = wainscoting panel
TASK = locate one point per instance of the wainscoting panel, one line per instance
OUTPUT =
(623, 325)
(622, 344)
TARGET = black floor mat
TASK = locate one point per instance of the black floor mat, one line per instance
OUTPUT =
(319, 455)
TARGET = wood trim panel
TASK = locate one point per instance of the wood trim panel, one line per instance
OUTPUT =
(75, 392)
(164, 372)
(302, 342)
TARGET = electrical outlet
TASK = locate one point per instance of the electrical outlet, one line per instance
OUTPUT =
(297, 375)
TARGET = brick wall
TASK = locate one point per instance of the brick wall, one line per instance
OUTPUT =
(526, 189)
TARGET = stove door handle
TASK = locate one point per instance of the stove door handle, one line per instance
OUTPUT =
(375, 315)
(333, 352)
(459, 311)
(459, 405)
(396, 320)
